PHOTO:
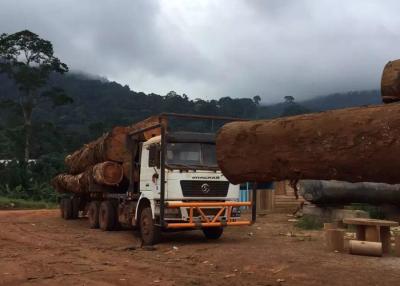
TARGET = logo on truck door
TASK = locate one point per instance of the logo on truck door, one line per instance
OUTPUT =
(205, 188)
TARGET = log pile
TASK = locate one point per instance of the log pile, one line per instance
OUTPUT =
(105, 161)
(105, 173)
(354, 145)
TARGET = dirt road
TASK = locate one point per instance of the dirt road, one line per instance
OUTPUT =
(39, 248)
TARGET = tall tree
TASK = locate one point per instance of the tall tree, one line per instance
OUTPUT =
(29, 61)
(257, 99)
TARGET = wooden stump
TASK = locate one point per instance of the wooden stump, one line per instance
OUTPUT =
(334, 239)
(397, 245)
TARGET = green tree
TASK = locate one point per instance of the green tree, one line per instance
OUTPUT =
(289, 99)
(29, 60)
(257, 99)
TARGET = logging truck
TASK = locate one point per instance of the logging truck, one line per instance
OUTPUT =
(170, 182)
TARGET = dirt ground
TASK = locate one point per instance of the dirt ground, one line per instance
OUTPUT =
(39, 248)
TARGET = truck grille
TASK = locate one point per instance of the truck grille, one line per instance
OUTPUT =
(204, 188)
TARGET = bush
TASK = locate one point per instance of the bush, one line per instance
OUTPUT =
(309, 222)
(31, 181)
(374, 212)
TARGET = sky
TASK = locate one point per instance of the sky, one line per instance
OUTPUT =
(214, 48)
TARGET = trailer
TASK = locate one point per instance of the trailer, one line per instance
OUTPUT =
(172, 182)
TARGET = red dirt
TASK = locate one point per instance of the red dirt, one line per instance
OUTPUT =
(39, 248)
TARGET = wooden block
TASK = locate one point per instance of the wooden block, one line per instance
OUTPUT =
(334, 239)
(385, 239)
(397, 245)
(360, 232)
(372, 233)
(368, 248)
(330, 225)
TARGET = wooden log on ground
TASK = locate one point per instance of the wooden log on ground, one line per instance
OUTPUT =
(110, 147)
(355, 145)
(368, 248)
(390, 83)
(341, 193)
(106, 173)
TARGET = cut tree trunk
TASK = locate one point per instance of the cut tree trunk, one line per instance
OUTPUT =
(342, 193)
(110, 147)
(354, 145)
(390, 83)
(106, 173)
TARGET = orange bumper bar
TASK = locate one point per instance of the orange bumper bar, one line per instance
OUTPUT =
(224, 208)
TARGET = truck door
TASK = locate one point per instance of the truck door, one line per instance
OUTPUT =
(150, 170)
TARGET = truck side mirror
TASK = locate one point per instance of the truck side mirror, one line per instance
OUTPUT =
(154, 156)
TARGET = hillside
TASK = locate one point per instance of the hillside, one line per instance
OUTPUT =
(99, 104)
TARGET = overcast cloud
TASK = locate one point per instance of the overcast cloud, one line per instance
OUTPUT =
(210, 49)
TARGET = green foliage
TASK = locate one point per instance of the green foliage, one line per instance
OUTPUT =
(374, 212)
(309, 222)
(29, 60)
(30, 181)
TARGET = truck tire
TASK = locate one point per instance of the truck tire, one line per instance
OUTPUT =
(93, 214)
(107, 219)
(67, 208)
(75, 207)
(149, 232)
(62, 208)
(213, 232)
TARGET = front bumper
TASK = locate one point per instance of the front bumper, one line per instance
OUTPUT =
(223, 217)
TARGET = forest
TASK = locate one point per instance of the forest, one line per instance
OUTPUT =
(96, 106)
(46, 112)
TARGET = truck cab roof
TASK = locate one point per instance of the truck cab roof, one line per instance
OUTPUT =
(185, 137)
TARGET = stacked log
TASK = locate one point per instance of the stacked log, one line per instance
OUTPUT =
(105, 161)
(354, 145)
(110, 147)
(106, 173)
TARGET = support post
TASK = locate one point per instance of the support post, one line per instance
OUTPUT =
(254, 203)
(162, 179)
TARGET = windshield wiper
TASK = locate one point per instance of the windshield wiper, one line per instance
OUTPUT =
(179, 165)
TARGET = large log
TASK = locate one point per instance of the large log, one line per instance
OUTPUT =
(355, 145)
(390, 83)
(342, 193)
(106, 173)
(110, 147)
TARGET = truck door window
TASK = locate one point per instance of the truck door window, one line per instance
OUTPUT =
(154, 156)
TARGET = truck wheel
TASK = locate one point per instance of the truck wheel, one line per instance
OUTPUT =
(93, 214)
(75, 208)
(67, 208)
(62, 208)
(107, 217)
(213, 232)
(149, 232)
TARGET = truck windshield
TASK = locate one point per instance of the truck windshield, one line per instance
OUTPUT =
(191, 154)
